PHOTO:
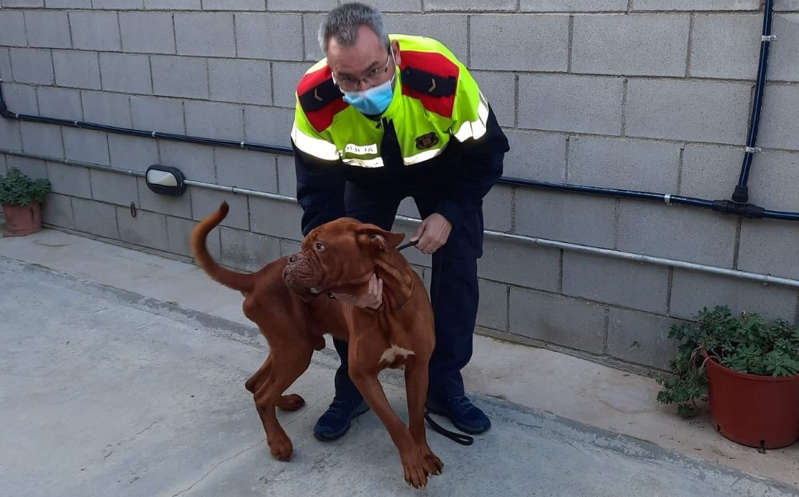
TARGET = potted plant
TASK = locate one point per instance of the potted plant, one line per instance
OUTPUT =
(21, 198)
(746, 367)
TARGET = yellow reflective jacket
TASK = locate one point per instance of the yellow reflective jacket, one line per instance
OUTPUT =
(435, 100)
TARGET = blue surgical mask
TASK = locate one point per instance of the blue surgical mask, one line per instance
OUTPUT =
(372, 101)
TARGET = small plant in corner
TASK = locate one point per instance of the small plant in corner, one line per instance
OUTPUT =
(19, 189)
(21, 197)
(745, 343)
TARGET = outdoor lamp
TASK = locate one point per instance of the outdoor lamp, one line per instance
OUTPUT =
(165, 180)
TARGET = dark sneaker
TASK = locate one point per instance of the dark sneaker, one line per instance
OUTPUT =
(337, 419)
(464, 415)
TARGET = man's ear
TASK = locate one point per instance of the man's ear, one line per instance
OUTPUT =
(379, 239)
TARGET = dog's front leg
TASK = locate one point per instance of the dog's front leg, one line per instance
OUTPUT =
(372, 391)
(416, 382)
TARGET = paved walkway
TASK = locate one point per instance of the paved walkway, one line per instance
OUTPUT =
(113, 383)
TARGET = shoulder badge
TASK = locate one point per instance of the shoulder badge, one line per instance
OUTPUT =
(432, 78)
(429, 83)
(320, 95)
(320, 98)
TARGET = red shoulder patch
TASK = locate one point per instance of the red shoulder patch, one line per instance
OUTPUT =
(320, 98)
(437, 64)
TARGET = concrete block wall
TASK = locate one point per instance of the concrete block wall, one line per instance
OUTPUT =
(636, 94)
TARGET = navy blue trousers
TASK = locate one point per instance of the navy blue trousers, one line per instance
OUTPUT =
(453, 291)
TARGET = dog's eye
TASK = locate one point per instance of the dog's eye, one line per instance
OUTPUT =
(318, 246)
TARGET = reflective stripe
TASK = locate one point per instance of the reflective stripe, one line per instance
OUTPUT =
(475, 129)
(421, 157)
(371, 163)
(313, 146)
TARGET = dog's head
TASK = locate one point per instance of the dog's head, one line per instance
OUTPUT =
(337, 256)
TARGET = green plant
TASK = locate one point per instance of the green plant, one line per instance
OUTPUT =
(744, 343)
(18, 189)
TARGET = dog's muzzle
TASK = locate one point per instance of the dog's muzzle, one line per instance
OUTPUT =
(302, 275)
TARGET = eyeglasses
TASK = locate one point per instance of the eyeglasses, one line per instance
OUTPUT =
(372, 76)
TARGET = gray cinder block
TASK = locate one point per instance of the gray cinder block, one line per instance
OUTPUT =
(568, 217)
(95, 217)
(240, 81)
(205, 34)
(588, 104)
(614, 281)
(269, 36)
(149, 32)
(557, 319)
(95, 30)
(69, 180)
(640, 338)
(492, 310)
(76, 69)
(540, 270)
(114, 188)
(125, 73)
(648, 44)
(248, 251)
(46, 28)
(32, 65)
(86, 145)
(691, 291)
(495, 42)
(42, 139)
(697, 111)
(179, 76)
(106, 108)
(147, 228)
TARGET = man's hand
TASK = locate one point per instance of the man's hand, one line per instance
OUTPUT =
(372, 299)
(432, 233)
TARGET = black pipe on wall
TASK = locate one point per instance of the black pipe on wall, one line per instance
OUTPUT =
(741, 192)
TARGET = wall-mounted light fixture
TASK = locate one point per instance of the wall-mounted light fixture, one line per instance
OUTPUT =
(165, 180)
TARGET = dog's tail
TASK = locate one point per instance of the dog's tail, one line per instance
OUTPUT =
(242, 282)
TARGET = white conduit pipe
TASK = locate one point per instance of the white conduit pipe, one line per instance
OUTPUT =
(541, 242)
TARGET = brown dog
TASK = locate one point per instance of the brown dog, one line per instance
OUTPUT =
(288, 300)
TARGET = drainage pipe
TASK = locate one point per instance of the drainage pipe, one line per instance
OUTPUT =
(741, 193)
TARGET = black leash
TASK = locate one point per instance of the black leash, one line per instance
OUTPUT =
(452, 435)
(408, 244)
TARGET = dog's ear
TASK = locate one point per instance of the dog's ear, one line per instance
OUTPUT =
(379, 239)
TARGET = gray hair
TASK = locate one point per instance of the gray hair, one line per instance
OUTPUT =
(343, 23)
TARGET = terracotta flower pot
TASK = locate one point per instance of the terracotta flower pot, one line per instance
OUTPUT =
(22, 220)
(758, 411)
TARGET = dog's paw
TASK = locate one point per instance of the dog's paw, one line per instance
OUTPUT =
(290, 402)
(415, 471)
(432, 464)
(281, 449)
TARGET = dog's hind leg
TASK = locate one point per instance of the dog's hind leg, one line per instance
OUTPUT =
(258, 378)
(286, 367)
(290, 402)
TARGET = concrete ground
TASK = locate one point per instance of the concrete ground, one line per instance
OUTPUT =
(121, 373)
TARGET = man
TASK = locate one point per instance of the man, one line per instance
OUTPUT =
(380, 119)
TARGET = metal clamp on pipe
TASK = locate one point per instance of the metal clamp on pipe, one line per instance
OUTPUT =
(747, 210)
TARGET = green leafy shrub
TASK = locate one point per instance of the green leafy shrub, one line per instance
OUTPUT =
(744, 343)
(18, 189)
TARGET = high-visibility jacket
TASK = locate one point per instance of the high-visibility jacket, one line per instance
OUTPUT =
(437, 107)
(435, 100)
